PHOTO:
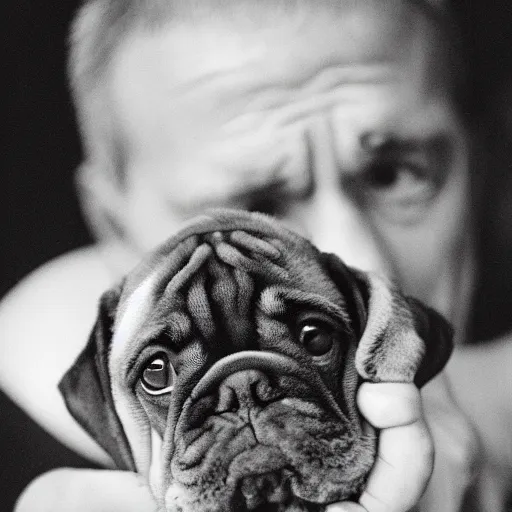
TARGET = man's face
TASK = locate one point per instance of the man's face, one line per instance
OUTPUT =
(340, 125)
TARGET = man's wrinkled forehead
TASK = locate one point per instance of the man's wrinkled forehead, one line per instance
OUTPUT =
(231, 52)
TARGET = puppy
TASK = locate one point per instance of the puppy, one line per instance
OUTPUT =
(225, 368)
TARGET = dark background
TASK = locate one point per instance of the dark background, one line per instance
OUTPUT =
(39, 213)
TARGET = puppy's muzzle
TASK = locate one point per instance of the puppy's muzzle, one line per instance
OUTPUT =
(248, 393)
(248, 379)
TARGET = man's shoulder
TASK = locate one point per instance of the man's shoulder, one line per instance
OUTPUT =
(45, 322)
(53, 307)
(72, 277)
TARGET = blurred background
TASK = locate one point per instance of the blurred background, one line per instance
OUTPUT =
(40, 218)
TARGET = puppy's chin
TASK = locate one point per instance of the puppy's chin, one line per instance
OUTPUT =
(270, 492)
(280, 500)
(262, 481)
(264, 468)
(264, 492)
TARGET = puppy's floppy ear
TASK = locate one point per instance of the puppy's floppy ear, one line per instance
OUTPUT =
(86, 387)
(437, 334)
(400, 339)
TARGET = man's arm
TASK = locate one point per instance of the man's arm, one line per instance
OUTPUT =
(86, 490)
(44, 324)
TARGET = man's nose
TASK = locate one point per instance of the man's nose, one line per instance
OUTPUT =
(331, 217)
(335, 223)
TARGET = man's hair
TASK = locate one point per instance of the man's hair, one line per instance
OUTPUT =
(100, 26)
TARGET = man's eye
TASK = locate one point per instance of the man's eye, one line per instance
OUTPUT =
(158, 375)
(398, 185)
(384, 175)
(270, 204)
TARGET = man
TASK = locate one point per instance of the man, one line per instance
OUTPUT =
(337, 117)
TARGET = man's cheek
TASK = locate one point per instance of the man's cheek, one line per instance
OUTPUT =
(428, 262)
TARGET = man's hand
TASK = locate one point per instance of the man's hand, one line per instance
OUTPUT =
(458, 449)
(405, 457)
(405, 469)
(87, 490)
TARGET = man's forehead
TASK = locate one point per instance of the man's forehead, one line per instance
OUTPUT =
(284, 52)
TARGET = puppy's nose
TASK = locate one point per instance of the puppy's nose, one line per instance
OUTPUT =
(246, 389)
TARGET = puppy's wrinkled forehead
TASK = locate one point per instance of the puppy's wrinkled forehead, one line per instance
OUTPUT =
(209, 276)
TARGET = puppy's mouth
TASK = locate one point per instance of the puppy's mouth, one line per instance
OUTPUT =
(270, 492)
(261, 491)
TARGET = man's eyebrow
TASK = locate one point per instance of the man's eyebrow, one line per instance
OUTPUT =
(432, 153)
(375, 143)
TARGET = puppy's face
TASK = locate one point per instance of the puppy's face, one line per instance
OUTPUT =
(228, 365)
(247, 379)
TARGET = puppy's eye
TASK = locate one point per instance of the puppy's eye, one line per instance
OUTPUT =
(317, 339)
(158, 375)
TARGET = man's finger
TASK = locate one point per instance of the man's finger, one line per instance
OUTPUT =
(406, 453)
(402, 470)
(388, 405)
